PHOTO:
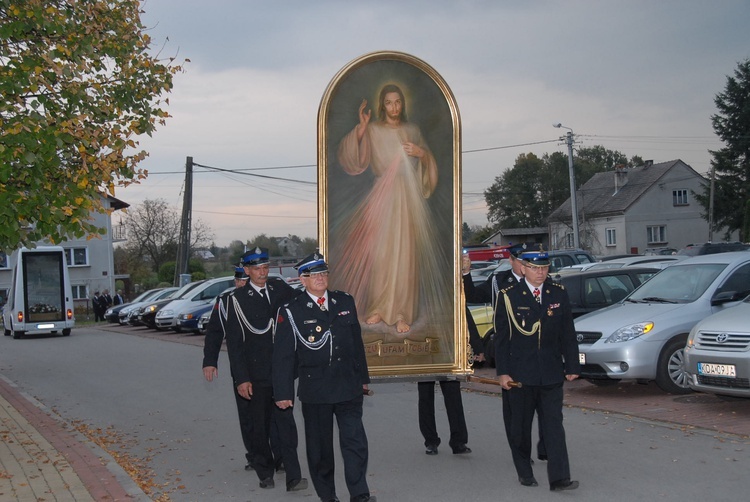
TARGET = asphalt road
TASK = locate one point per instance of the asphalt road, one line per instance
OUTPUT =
(147, 395)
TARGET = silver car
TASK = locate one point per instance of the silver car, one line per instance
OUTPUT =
(717, 355)
(643, 337)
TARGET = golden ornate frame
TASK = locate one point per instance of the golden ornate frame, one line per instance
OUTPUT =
(437, 344)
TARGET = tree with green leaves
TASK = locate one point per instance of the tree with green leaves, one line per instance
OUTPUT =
(524, 195)
(78, 87)
(731, 163)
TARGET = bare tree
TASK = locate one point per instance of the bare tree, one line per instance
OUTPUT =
(154, 229)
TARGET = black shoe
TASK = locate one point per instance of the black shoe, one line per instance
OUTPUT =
(563, 484)
(267, 483)
(431, 449)
(249, 467)
(528, 481)
(364, 498)
(280, 467)
(461, 449)
(296, 485)
(542, 457)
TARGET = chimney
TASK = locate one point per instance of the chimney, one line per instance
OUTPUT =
(647, 163)
(621, 177)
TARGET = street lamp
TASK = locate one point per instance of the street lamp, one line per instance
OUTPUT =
(571, 173)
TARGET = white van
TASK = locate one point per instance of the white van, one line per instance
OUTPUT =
(40, 299)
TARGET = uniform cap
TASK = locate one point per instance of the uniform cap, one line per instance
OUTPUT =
(311, 264)
(257, 256)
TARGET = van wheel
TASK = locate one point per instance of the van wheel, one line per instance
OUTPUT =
(18, 334)
(66, 332)
(670, 371)
(7, 332)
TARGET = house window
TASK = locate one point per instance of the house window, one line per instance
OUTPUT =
(611, 235)
(3, 260)
(680, 197)
(569, 241)
(77, 257)
(657, 234)
(80, 291)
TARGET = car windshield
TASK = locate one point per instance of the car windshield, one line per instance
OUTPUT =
(678, 283)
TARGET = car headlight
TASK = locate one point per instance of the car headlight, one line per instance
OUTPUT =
(164, 313)
(150, 308)
(627, 333)
(108, 312)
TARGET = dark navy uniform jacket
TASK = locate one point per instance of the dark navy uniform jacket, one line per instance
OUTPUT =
(487, 291)
(535, 343)
(249, 330)
(325, 347)
(215, 331)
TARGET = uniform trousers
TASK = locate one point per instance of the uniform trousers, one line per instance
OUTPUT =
(246, 424)
(264, 414)
(547, 402)
(453, 406)
(541, 450)
(352, 440)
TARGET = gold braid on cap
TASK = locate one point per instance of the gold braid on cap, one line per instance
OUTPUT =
(535, 328)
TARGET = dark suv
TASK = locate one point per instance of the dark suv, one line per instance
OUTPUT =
(712, 248)
(567, 257)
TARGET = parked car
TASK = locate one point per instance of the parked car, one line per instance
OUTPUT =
(567, 257)
(659, 251)
(153, 295)
(207, 291)
(203, 321)
(112, 314)
(480, 275)
(595, 289)
(188, 319)
(146, 315)
(635, 261)
(712, 248)
(643, 337)
(717, 354)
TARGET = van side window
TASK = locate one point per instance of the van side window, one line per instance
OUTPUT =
(738, 281)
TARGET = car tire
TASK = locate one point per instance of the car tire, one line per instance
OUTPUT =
(670, 370)
(66, 332)
(7, 332)
(18, 334)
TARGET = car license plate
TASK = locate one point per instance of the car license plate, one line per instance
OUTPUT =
(722, 370)
(582, 358)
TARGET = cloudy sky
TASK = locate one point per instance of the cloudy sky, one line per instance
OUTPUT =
(637, 76)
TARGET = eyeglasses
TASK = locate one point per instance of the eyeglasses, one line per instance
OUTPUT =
(538, 268)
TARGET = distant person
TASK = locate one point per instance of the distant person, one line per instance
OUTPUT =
(118, 299)
(536, 346)
(107, 300)
(98, 306)
(319, 338)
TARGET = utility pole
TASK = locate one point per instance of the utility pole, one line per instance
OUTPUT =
(711, 206)
(183, 246)
(572, 175)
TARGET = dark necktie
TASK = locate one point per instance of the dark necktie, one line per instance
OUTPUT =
(263, 295)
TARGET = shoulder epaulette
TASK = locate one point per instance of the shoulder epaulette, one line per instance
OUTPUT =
(558, 284)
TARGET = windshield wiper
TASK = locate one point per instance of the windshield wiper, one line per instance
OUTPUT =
(631, 300)
(657, 299)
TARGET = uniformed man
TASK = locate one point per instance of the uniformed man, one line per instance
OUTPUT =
(251, 311)
(536, 346)
(319, 338)
(215, 333)
(488, 292)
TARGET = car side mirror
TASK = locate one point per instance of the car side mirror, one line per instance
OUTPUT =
(724, 297)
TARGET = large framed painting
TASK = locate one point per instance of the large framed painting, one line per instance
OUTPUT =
(389, 182)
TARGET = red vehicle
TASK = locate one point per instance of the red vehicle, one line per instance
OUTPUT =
(486, 252)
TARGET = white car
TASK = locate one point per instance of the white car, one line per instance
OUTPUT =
(643, 337)
(167, 316)
(717, 355)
